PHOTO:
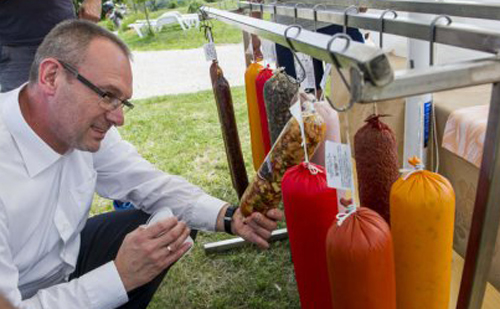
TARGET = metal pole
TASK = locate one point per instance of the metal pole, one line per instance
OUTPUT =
(473, 9)
(486, 216)
(368, 59)
(456, 34)
(428, 80)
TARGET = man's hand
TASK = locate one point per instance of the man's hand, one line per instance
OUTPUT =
(147, 251)
(90, 10)
(257, 227)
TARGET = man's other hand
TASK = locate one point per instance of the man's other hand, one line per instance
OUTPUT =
(147, 251)
(257, 227)
(90, 10)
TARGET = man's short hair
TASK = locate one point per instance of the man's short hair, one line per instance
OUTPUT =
(69, 40)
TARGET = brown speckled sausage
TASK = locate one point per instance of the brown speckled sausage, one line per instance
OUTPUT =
(224, 102)
(375, 151)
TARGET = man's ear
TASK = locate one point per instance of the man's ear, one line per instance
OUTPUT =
(49, 74)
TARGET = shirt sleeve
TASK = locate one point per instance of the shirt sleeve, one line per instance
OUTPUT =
(124, 175)
(99, 288)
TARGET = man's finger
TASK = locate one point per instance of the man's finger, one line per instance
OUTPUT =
(171, 235)
(262, 221)
(174, 256)
(177, 243)
(259, 230)
(275, 214)
(161, 227)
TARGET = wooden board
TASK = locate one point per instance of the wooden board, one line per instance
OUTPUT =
(492, 297)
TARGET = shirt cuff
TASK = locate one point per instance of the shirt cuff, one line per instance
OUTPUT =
(206, 210)
(104, 287)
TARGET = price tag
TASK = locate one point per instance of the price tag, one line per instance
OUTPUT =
(338, 166)
(268, 50)
(210, 53)
(307, 62)
(328, 69)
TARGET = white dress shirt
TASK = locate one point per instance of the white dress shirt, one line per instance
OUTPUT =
(45, 199)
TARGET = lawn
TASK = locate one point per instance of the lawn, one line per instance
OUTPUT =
(181, 135)
(172, 37)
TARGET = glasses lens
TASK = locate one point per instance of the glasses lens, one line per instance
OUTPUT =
(107, 103)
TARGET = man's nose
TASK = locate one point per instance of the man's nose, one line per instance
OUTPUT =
(116, 116)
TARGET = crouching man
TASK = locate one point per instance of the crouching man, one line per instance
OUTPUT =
(58, 146)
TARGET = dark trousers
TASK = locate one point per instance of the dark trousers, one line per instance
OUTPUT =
(15, 64)
(101, 239)
(285, 57)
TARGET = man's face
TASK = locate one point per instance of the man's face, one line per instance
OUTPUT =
(81, 122)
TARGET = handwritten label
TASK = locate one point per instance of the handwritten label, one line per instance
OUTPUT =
(268, 50)
(210, 52)
(338, 166)
(307, 62)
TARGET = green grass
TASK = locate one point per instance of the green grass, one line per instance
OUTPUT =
(172, 37)
(181, 135)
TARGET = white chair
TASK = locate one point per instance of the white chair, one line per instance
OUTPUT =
(186, 21)
(170, 18)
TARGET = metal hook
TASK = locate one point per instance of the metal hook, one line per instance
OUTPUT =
(346, 11)
(293, 50)
(336, 64)
(433, 35)
(315, 11)
(295, 10)
(382, 25)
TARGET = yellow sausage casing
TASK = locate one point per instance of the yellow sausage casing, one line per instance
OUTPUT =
(257, 142)
(422, 219)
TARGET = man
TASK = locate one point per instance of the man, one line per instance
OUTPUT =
(24, 24)
(58, 145)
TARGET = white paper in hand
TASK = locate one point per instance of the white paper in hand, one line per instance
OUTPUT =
(162, 215)
(338, 166)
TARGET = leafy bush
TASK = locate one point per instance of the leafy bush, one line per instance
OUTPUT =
(172, 4)
(194, 6)
(155, 5)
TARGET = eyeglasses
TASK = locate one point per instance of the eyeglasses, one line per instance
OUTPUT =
(108, 101)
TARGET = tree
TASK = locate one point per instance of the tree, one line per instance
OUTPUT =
(146, 12)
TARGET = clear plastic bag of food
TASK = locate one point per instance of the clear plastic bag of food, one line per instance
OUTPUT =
(264, 192)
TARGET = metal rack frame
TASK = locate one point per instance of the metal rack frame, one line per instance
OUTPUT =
(371, 83)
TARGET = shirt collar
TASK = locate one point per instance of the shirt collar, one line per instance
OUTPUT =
(36, 154)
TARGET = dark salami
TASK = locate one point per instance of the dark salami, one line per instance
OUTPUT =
(224, 102)
(278, 93)
(376, 154)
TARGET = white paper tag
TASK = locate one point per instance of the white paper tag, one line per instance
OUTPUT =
(268, 50)
(328, 69)
(210, 53)
(307, 61)
(338, 166)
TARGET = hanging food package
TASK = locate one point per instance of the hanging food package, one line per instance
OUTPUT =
(331, 118)
(264, 192)
(360, 261)
(224, 102)
(263, 76)
(257, 143)
(376, 155)
(279, 91)
(310, 208)
(422, 219)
